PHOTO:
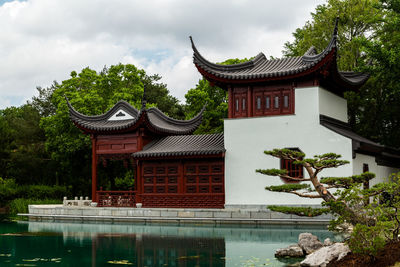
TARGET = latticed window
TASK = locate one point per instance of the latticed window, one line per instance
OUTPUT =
(294, 170)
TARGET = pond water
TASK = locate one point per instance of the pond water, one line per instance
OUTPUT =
(73, 244)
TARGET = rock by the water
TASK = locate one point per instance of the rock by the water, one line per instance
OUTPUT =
(291, 251)
(325, 255)
(327, 242)
(309, 243)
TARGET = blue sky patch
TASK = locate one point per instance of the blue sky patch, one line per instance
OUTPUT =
(5, 1)
(152, 55)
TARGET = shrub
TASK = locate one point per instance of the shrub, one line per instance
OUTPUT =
(20, 205)
(126, 182)
(378, 221)
(8, 190)
(367, 240)
(42, 192)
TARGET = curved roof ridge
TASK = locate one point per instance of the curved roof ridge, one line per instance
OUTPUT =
(231, 67)
(120, 104)
(163, 116)
(311, 51)
(307, 57)
(163, 123)
(260, 69)
(156, 120)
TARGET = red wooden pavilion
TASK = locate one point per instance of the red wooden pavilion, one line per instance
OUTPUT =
(173, 168)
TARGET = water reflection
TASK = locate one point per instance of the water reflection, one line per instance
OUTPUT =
(70, 244)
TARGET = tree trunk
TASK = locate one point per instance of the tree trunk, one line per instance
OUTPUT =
(321, 190)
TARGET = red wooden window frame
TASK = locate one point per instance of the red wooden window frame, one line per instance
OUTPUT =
(274, 101)
(294, 170)
(240, 102)
(259, 110)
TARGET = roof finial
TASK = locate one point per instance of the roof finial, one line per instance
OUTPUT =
(144, 98)
(335, 30)
(193, 46)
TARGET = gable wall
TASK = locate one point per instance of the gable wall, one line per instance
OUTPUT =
(247, 138)
(332, 105)
(381, 172)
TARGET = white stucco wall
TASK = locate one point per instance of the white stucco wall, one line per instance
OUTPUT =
(381, 172)
(247, 138)
(332, 105)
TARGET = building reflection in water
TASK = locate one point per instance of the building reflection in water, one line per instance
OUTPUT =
(149, 245)
(152, 250)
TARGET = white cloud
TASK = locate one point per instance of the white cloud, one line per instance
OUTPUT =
(44, 40)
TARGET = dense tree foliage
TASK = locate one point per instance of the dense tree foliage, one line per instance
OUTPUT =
(358, 19)
(39, 143)
(23, 155)
(216, 110)
(375, 109)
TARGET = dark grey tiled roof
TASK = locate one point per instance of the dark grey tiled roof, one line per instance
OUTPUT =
(161, 122)
(344, 129)
(184, 145)
(152, 117)
(262, 68)
(384, 155)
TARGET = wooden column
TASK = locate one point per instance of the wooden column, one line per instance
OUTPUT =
(139, 190)
(139, 182)
(94, 169)
(140, 139)
(181, 182)
(230, 102)
(249, 101)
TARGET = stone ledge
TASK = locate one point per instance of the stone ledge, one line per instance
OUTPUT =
(196, 220)
(252, 216)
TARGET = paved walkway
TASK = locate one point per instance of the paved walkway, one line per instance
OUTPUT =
(167, 215)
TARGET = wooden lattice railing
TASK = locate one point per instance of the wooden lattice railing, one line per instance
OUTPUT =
(115, 198)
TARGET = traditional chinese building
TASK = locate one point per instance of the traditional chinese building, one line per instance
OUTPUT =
(173, 167)
(292, 103)
(295, 103)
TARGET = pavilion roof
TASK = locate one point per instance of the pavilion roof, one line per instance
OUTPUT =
(183, 145)
(123, 118)
(261, 69)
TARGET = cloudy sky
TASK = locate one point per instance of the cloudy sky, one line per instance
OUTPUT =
(44, 40)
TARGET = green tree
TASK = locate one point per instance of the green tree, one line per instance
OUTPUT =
(216, 100)
(217, 107)
(376, 107)
(313, 186)
(92, 93)
(368, 42)
(357, 19)
(5, 142)
(373, 214)
(382, 213)
(158, 95)
(27, 160)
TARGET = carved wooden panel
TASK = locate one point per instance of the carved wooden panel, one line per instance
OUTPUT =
(116, 144)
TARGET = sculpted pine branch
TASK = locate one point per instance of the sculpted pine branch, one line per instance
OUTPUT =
(319, 187)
